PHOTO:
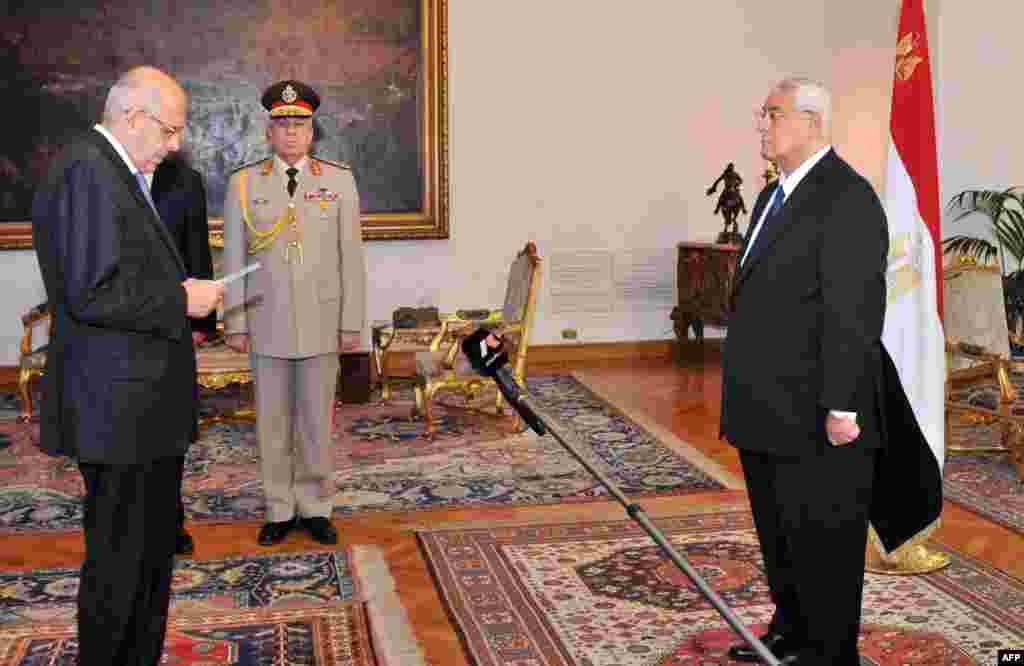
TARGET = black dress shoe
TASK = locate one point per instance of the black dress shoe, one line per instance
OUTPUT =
(183, 544)
(779, 645)
(321, 529)
(274, 533)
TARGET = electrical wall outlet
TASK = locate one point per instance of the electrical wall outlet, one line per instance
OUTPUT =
(569, 334)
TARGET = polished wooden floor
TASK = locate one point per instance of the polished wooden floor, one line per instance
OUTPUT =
(682, 399)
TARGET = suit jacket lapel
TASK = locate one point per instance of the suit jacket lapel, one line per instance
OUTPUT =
(788, 217)
(128, 178)
(743, 269)
(762, 200)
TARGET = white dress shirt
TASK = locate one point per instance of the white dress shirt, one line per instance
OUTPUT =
(117, 146)
(788, 184)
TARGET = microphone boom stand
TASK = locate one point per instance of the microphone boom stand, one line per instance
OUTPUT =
(488, 359)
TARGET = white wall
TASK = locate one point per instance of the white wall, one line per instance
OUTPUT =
(22, 289)
(602, 131)
(596, 132)
(981, 144)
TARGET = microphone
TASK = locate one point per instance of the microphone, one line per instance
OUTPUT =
(486, 353)
(488, 357)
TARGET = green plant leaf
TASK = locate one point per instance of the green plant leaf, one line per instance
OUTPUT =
(1005, 212)
(978, 248)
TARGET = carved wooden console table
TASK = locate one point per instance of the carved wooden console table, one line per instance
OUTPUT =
(704, 275)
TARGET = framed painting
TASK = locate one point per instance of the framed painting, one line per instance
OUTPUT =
(379, 66)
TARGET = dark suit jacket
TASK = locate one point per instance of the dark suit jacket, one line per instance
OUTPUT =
(120, 381)
(180, 198)
(809, 303)
(805, 337)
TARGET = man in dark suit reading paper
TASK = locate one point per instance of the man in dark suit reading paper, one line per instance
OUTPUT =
(120, 381)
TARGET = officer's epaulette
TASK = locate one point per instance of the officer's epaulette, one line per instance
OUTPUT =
(265, 161)
(340, 165)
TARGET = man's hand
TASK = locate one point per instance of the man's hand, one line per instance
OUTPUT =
(238, 341)
(841, 429)
(349, 342)
(198, 338)
(203, 296)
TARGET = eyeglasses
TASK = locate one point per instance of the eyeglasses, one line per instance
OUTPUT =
(773, 115)
(293, 123)
(169, 131)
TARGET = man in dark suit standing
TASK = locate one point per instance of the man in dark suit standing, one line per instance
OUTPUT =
(803, 377)
(120, 382)
(180, 198)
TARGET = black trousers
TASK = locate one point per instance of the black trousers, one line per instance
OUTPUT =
(125, 584)
(811, 515)
(179, 472)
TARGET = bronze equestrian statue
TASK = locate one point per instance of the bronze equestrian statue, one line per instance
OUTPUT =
(730, 203)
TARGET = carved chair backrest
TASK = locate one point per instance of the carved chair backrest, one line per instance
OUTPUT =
(975, 307)
(521, 299)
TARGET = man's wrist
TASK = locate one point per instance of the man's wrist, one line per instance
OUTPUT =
(843, 414)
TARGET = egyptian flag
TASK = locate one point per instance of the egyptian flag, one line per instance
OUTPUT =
(908, 491)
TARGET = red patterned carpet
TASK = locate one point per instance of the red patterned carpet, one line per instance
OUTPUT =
(602, 594)
(327, 636)
(330, 608)
(383, 463)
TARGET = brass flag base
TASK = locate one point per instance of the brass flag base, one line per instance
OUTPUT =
(912, 558)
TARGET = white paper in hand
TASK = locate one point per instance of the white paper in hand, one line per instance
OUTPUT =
(228, 279)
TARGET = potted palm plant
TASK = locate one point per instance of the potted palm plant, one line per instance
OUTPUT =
(1005, 212)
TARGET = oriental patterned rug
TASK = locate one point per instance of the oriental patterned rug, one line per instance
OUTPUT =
(384, 464)
(602, 594)
(310, 609)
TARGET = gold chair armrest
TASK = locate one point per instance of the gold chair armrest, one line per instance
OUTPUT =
(471, 315)
(987, 362)
(36, 314)
(454, 325)
(29, 320)
(976, 352)
(419, 336)
(454, 330)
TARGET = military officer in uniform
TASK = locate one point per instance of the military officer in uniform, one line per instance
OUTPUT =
(298, 216)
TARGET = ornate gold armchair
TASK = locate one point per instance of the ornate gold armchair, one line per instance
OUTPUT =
(443, 367)
(978, 352)
(32, 359)
(217, 364)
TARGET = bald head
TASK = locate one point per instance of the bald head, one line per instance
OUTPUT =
(146, 112)
(140, 88)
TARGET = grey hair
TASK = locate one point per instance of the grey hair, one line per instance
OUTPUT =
(131, 91)
(809, 95)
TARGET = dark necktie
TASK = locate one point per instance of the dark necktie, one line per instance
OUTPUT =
(778, 197)
(144, 186)
(292, 183)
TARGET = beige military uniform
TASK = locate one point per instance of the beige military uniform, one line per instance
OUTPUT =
(311, 287)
